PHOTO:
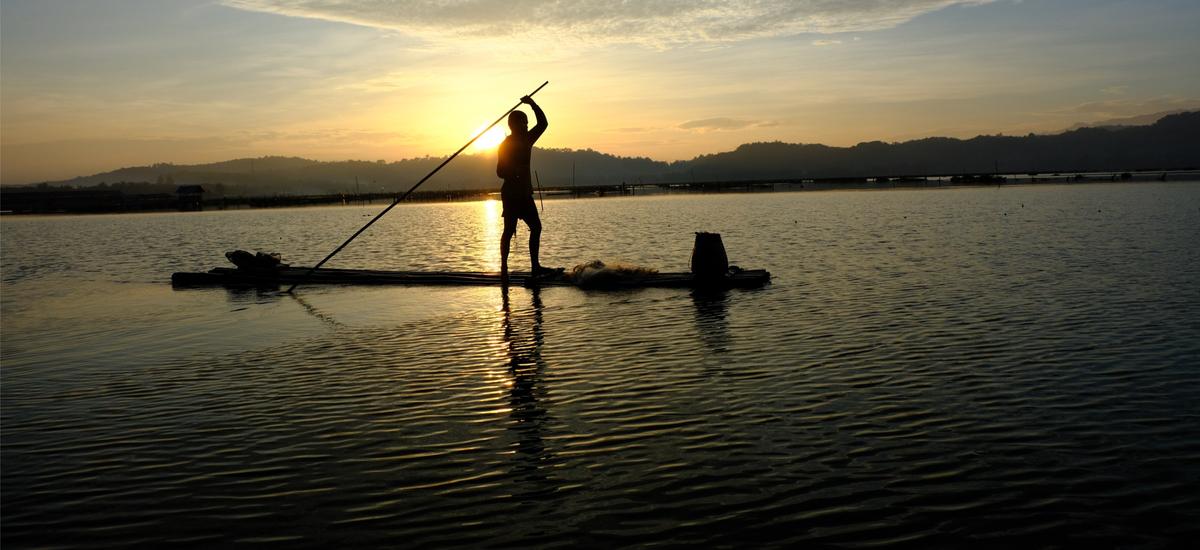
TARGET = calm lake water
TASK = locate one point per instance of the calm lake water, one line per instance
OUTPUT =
(996, 366)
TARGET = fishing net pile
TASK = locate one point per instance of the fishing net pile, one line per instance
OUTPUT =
(597, 274)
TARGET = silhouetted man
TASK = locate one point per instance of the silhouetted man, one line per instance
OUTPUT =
(512, 165)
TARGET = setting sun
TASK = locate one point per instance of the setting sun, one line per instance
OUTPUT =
(489, 140)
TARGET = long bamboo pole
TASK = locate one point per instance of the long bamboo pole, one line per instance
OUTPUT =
(407, 193)
(539, 182)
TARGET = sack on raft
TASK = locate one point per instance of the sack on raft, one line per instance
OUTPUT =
(256, 261)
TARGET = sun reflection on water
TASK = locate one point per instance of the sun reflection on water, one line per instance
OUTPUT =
(493, 227)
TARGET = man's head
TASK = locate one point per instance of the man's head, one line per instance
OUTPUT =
(518, 122)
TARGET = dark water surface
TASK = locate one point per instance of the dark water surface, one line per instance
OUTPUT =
(994, 366)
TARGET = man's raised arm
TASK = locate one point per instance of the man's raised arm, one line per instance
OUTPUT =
(542, 123)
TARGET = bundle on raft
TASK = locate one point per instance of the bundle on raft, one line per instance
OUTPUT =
(597, 274)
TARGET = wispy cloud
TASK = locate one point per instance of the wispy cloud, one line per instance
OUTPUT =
(722, 123)
(1125, 107)
(656, 23)
(826, 42)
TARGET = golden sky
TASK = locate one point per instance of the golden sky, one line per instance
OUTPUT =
(92, 86)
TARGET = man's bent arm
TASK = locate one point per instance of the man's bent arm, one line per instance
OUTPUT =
(542, 123)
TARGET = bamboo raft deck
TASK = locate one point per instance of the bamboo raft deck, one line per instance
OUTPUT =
(231, 277)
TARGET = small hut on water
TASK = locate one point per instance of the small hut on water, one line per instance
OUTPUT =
(191, 197)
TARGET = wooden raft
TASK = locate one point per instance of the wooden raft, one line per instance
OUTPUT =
(224, 276)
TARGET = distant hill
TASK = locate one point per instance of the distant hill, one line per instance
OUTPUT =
(1172, 142)
(1139, 120)
(292, 175)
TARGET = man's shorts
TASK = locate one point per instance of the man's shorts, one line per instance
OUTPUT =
(518, 204)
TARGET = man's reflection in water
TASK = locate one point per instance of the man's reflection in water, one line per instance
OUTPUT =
(712, 325)
(524, 337)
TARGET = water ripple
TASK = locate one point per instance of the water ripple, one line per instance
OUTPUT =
(914, 376)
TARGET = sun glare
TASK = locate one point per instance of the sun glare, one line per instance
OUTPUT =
(489, 139)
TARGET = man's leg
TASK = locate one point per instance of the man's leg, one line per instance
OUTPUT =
(535, 240)
(510, 228)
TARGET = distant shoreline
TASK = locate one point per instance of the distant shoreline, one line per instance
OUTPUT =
(89, 201)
